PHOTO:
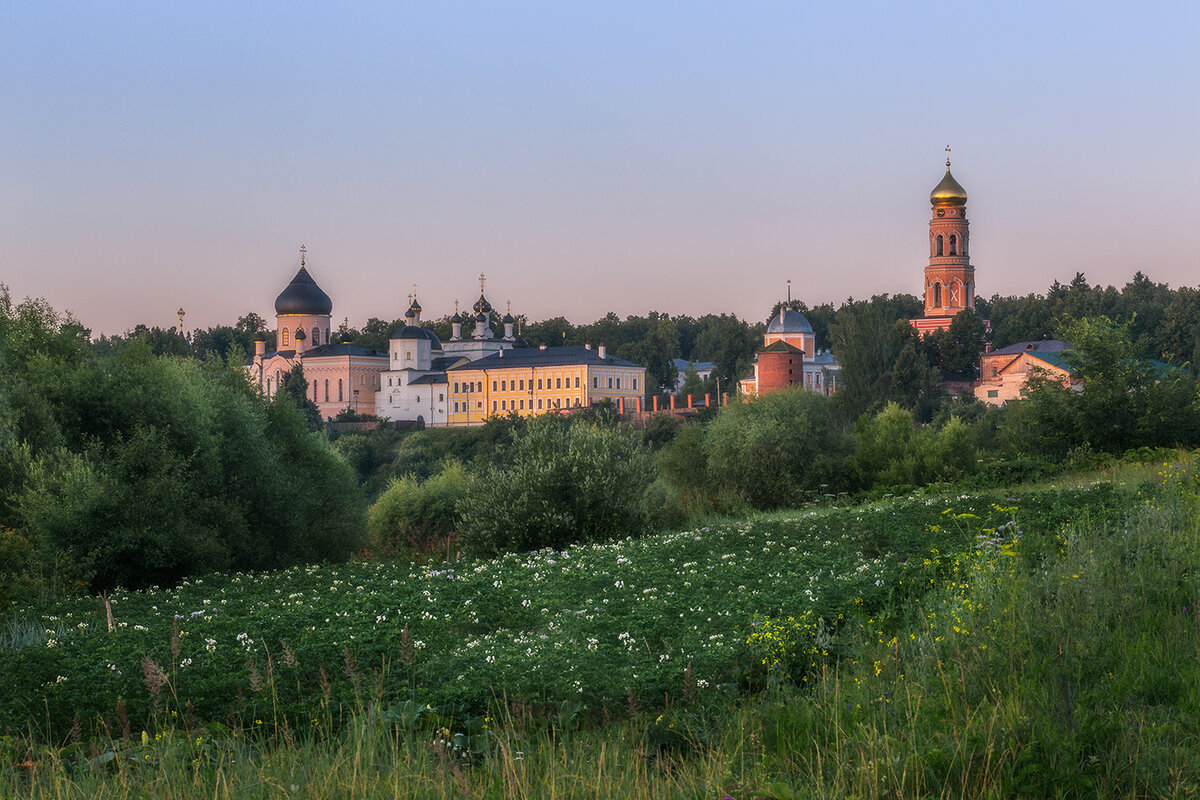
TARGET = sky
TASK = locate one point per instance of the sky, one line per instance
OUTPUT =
(681, 157)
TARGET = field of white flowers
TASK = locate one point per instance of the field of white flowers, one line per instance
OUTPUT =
(594, 625)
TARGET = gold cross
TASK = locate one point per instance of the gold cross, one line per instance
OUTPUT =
(947, 155)
(481, 280)
(303, 250)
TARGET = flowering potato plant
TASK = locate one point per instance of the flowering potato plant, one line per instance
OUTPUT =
(593, 624)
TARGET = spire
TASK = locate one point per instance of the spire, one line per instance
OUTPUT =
(303, 251)
(947, 158)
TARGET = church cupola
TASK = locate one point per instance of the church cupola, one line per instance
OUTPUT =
(456, 325)
(302, 308)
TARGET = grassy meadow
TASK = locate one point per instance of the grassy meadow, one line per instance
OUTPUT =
(1025, 641)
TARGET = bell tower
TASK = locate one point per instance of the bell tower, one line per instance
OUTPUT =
(949, 278)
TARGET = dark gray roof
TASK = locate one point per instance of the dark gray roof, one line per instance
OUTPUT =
(1044, 346)
(549, 357)
(303, 296)
(417, 332)
(433, 377)
(341, 349)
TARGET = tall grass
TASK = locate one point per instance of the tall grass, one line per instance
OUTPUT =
(1057, 665)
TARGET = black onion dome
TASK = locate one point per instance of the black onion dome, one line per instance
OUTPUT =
(300, 335)
(417, 332)
(303, 296)
(410, 314)
(482, 306)
(456, 319)
(508, 319)
(481, 317)
(519, 342)
(415, 306)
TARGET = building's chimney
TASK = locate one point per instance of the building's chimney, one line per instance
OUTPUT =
(602, 351)
(542, 346)
(587, 345)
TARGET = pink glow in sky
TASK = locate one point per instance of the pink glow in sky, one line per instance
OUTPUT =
(628, 157)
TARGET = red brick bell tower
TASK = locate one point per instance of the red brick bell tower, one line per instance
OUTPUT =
(949, 277)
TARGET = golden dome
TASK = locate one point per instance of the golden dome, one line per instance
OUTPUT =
(949, 192)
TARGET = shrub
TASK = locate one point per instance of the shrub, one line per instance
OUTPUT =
(891, 450)
(778, 450)
(411, 514)
(563, 483)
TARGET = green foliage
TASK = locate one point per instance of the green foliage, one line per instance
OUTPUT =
(562, 483)
(891, 450)
(410, 514)
(132, 469)
(1122, 401)
(778, 449)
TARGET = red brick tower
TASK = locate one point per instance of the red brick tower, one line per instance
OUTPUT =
(949, 277)
(780, 365)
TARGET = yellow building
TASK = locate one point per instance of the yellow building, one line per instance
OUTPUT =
(528, 381)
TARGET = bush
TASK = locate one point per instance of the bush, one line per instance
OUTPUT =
(563, 483)
(778, 450)
(891, 450)
(135, 469)
(411, 514)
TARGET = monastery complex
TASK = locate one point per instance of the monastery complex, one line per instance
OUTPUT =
(481, 372)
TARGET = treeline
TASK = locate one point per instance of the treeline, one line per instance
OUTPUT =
(882, 359)
(131, 469)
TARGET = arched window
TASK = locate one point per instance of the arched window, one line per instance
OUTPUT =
(938, 250)
(340, 395)
(953, 245)
(317, 333)
(286, 337)
(327, 390)
(314, 391)
(937, 294)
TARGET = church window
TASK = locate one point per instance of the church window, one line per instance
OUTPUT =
(937, 295)
(314, 391)
(418, 399)
(316, 337)
(327, 390)
(408, 355)
(953, 245)
(938, 250)
(340, 396)
(441, 397)
(286, 336)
